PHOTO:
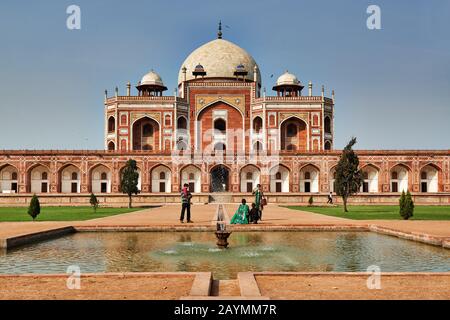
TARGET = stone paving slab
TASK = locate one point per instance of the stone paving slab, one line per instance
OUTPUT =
(107, 286)
(353, 286)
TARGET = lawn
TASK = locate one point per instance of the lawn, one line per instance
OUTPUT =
(60, 213)
(380, 212)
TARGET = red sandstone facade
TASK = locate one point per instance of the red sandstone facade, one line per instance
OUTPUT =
(220, 133)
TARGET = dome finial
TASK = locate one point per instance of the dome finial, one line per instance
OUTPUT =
(219, 33)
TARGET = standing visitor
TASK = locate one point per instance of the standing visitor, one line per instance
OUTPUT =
(186, 203)
(260, 200)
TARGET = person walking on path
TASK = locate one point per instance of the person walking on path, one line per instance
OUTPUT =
(186, 203)
(330, 198)
(259, 199)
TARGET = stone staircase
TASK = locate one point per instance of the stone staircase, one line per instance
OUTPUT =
(220, 198)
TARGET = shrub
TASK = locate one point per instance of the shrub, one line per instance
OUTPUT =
(310, 201)
(406, 205)
(94, 202)
(35, 207)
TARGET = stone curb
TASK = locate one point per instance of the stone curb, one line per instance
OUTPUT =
(35, 237)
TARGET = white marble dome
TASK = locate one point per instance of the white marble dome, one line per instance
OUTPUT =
(219, 59)
(287, 79)
(152, 78)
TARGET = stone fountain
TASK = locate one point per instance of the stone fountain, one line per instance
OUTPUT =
(221, 233)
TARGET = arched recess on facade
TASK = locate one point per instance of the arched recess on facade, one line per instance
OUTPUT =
(9, 179)
(111, 146)
(146, 134)
(111, 124)
(257, 125)
(371, 178)
(310, 178)
(294, 134)
(182, 133)
(219, 178)
(161, 179)
(249, 177)
(69, 179)
(400, 178)
(332, 179)
(38, 178)
(140, 178)
(430, 177)
(257, 146)
(279, 176)
(191, 175)
(327, 124)
(100, 179)
(327, 145)
(217, 124)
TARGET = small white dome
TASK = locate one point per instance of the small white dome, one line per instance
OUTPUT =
(152, 78)
(288, 79)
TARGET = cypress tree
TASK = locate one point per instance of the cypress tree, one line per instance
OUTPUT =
(402, 203)
(94, 202)
(129, 181)
(348, 175)
(35, 207)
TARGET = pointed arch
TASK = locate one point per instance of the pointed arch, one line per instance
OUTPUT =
(297, 139)
(161, 178)
(309, 178)
(38, 183)
(190, 174)
(430, 178)
(67, 181)
(9, 178)
(250, 177)
(97, 181)
(279, 178)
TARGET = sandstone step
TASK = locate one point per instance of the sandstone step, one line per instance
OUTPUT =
(225, 288)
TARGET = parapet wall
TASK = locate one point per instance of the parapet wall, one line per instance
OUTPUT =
(120, 200)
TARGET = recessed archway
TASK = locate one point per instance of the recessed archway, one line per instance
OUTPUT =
(220, 176)
(429, 178)
(370, 179)
(309, 179)
(146, 134)
(70, 179)
(100, 179)
(279, 179)
(161, 177)
(250, 178)
(399, 178)
(293, 134)
(9, 179)
(38, 179)
(191, 175)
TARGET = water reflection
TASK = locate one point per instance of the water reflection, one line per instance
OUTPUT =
(248, 251)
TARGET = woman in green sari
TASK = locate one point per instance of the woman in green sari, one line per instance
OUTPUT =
(241, 215)
(258, 199)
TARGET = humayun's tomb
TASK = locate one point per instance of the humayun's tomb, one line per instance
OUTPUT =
(221, 134)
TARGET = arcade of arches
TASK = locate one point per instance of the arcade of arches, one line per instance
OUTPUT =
(309, 178)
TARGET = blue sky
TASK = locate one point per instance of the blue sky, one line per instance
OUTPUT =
(392, 85)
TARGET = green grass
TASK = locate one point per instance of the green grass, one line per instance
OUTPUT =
(380, 212)
(61, 213)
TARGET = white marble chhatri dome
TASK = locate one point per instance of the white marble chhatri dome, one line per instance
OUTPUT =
(219, 58)
(152, 78)
(288, 79)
